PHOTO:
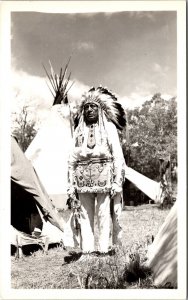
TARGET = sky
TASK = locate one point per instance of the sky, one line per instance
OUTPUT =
(131, 53)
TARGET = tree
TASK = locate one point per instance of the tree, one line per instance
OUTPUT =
(24, 127)
(152, 134)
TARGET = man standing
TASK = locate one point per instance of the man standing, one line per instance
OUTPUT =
(97, 167)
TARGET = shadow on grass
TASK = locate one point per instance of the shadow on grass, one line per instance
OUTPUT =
(140, 207)
(31, 249)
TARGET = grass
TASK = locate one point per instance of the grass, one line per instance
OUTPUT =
(123, 270)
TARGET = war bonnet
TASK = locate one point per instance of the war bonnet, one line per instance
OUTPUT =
(107, 101)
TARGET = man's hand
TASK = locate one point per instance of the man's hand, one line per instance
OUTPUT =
(69, 203)
(73, 202)
(114, 190)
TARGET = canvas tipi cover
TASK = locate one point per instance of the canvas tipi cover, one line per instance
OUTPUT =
(49, 152)
(28, 196)
(162, 253)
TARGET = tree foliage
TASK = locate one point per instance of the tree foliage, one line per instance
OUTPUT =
(24, 127)
(152, 134)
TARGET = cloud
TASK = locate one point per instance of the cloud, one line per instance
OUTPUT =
(166, 96)
(31, 89)
(161, 70)
(77, 90)
(133, 100)
(34, 92)
(87, 46)
(146, 87)
(157, 67)
(136, 99)
(143, 14)
(142, 92)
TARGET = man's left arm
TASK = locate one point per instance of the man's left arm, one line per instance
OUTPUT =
(118, 157)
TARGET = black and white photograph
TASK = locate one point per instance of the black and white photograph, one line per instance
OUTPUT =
(93, 167)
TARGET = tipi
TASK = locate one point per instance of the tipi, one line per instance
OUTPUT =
(162, 253)
(49, 150)
(31, 207)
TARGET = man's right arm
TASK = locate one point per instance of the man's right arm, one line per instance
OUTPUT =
(71, 191)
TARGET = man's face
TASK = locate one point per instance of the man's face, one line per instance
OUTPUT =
(91, 113)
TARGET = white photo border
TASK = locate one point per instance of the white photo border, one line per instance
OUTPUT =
(6, 7)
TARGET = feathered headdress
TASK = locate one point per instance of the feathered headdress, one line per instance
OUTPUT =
(113, 110)
(59, 84)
